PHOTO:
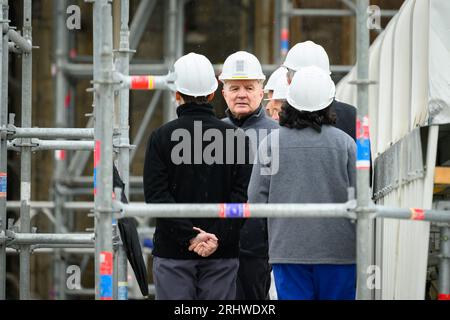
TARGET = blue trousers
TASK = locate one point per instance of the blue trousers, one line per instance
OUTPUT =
(315, 281)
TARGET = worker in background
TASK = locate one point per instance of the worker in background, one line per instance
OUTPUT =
(195, 259)
(243, 92)
(308, 53)
(312, 258)
(277, 97)
(272, 107)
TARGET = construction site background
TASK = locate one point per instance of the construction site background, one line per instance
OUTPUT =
(213, 28)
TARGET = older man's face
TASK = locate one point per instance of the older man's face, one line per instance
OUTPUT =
(243, 96)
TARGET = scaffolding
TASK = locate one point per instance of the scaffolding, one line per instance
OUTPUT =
(110, 133)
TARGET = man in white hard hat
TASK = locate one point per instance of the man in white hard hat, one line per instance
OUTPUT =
(270, 85)
(276, 89)
(243, 79)
(308, 53)
(312, 259)
(195, 259)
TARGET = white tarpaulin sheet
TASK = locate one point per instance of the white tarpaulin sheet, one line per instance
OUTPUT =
(410, 62)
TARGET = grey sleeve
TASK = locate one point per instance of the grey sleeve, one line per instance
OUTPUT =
(258, 188)
(351, 165)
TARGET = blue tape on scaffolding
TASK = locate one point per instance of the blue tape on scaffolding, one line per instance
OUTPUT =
(3, 184)
(95, 179)
(122, 292)
(106, 286)
(234, 210)
(363, 154)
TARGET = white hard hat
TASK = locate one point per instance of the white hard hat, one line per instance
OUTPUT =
(241, 65)
(195, 75)
(280, 89)
(279, 73)
(305, 54)
(311, 89)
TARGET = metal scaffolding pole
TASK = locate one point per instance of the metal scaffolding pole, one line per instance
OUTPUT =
(276, 32)
(170, 43)
(239, 210)
(61, 90)
(51, 238)
(3, 139)
(140, 20)
(144, 124)
(332, 13)
(123, 66)
(180, 29)
(364, 231)
(412, 214)
(50, 133)
(444, 265)
(25, 159)
(285, 6)
(103, 158)
(40, 145)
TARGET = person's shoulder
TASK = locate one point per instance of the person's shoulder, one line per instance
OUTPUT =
(228, 123)
(345, 107)
(339, 134)
(269, 123)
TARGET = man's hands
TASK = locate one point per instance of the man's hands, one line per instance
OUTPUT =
(204, 244)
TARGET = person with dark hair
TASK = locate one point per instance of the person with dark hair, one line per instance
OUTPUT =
(196, 259)
(312, 258)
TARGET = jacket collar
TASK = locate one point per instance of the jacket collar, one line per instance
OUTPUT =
(252, 118)
(195, 109)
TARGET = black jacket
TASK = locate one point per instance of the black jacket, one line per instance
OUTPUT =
(254, 237)
(194, 182)
(346, 117)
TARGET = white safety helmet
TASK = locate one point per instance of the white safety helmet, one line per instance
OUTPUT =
(241, 65)
(194, 75)
(279, 73)
(305, 54)
(311, 89)
(280, 89)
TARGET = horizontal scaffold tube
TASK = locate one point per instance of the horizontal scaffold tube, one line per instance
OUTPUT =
(51, 133)
(40, 145)
(81, 70)
(51, 238)
(64, 145)
(413, 214)
(238, 210)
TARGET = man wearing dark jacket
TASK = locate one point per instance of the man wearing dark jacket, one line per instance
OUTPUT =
(195, 258)
(243, 93)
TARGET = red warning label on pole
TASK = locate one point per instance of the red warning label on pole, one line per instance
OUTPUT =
(417, 214)
(142, 83)
(106, 263)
